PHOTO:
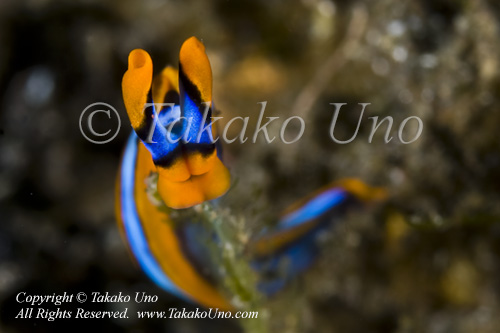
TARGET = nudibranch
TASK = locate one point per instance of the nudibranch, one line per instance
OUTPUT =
(189, 171)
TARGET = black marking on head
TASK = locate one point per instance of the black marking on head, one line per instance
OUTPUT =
(189, 86)
(144, 129)
(194, 93)
(205, 149)
(172, 97)
(167, 161)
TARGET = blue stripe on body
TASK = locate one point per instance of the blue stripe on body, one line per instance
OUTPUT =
(159, 144)
(194, 113)
(297, 256)
(314, 208)
(132, 224)
(168, 115)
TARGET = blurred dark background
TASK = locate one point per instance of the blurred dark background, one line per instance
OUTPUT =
(425, 261)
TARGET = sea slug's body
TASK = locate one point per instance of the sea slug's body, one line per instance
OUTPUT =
(189, 171)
